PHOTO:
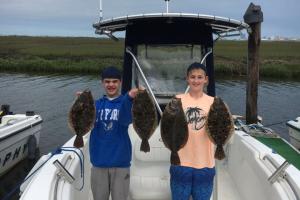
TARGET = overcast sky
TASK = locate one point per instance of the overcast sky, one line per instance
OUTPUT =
(75, 17)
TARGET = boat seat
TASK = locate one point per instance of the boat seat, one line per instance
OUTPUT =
(150, 177)
(157, 153)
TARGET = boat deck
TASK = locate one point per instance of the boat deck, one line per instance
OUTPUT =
(243, 174)
(9, 120)
(223, 183)
(291, 154)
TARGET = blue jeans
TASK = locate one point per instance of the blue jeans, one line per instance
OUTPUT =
(188, 181)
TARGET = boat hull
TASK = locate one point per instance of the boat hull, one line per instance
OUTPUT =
(294, 132)
(15, 133)
(243, 174)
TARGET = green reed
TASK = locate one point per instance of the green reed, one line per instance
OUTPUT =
(89, 55)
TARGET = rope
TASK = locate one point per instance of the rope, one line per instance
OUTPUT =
(55, 152)
(276, 123)
(255, 129)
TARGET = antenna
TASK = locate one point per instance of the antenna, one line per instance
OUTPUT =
(101, 17)
(167, 2)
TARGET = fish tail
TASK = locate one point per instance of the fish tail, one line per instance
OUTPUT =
(219, 154)
(78, 142)
(145, 147)
(175, 158)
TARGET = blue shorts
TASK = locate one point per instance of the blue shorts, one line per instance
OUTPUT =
(188, 181)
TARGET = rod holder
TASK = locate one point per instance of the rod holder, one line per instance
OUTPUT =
(63, 172)
(279, 172)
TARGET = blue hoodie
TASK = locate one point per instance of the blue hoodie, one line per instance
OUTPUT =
(110, 144)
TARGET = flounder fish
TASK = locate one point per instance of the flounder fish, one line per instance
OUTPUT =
(219, 126)
(174, 128)
(82, 116)
(144, 116)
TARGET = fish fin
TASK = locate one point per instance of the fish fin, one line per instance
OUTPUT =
(175, 160)
(145, 147)
(219, 154)
(78, 142)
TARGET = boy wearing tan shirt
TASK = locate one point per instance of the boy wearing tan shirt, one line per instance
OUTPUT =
(194, 176)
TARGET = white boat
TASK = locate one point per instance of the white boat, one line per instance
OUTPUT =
(243, 175)
(19, 137)
(294, 132)
(161, 46)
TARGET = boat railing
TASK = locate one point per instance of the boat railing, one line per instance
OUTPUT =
(280, 172)
(63, 169)
(145, 80)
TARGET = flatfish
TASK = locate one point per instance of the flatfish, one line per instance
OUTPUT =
(219, 125)
(82, 116)
(174, 129)
(144, 118)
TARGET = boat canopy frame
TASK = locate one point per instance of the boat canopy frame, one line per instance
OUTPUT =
(168, 29)
(220, 25)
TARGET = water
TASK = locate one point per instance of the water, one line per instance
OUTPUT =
(278, 101)
(51, 96)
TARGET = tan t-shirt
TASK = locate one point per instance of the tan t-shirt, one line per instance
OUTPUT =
(199, 150)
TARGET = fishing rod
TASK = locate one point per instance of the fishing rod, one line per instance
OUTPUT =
(101, 11)
(167, 4)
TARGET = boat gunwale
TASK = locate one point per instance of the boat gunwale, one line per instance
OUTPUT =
(292, 125)
(40, 120)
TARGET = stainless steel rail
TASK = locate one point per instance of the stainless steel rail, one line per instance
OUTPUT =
(145, 79)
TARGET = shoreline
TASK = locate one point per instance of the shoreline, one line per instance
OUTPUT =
(68, 55)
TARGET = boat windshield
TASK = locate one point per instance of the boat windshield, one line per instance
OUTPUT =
(165, 66)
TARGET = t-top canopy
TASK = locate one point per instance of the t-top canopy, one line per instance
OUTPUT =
(219, 25)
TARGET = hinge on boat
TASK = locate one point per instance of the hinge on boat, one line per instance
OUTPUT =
(279, 172)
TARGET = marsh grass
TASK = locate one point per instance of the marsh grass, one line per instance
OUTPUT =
(89, 55)
(61, 65)
(58, 54)
(278, 59)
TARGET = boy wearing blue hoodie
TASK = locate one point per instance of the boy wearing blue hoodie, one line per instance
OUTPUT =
(110, 146)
